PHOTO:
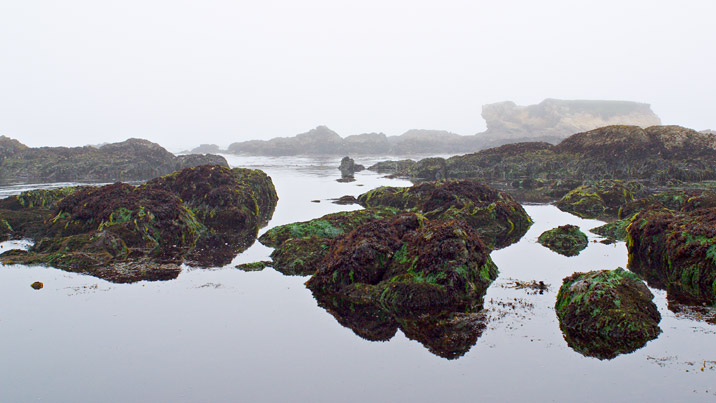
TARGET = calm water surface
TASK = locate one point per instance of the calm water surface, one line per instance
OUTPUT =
(228, 335)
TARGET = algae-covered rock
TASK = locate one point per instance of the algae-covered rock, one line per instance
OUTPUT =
(676, 251)
(598, 199)
(613, 231)
(299, 247)
(606, 313)
(396, 168)
(253, 266)
(495, 215)
(123, 233)
(566, 240)
(407, 264)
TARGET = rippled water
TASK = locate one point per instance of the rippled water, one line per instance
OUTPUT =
(228, 335)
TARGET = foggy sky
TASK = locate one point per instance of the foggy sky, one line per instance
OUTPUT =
(181, 73)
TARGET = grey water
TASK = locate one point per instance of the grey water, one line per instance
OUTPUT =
(226, 335)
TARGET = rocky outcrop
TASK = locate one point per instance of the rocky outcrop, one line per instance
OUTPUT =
(408, 264)
(299, 247)
(348, 167)
(495, 215)
(676, 251)
(552, 120)
(203, 216)
(131, 160)
(599, 199)
(606, 313)
(655, 156)
(566, 240)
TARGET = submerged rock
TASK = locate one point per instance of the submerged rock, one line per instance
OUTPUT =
(606, 313)
(123, 233)
(495, 215)
(37, 285)
(676, 251)
(613, 231)
(254, 266)
(407, 264)
(566, 240)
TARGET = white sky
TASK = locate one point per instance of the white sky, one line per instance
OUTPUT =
(181, 73)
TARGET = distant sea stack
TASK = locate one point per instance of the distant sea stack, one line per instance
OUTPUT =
(130, 160)
(553, 120)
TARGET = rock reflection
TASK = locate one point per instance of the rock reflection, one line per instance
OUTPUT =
(447, 334)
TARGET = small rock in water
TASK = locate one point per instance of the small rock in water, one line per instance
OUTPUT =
(315, 201)
(37, 285)
(255, 266)
(346, 200)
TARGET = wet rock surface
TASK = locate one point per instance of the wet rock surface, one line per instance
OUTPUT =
(299, 247)
(676, 251)
(407, 264)
(541, 172)
(131, 160)
(599, 199)
(606, 313)
(202, 216)
(567, 240)
(495, 215)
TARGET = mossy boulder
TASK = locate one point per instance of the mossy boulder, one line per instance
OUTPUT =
(495, 215)
(299, 247)
(123, 233)
(408, 263)
(676, 251)
(613, 231)
(599, 199)
(566, 240)
(606, 313)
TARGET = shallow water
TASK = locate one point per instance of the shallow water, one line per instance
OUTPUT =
(228, 335)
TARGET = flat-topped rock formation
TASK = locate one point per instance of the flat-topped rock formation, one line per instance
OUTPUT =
(553, 120)
(130, 160)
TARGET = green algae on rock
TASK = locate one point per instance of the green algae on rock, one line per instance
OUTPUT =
(606, 313)
(599, 199)
(407, 264)
(567, 240)
(123, 233)
(676, 251)
(299, 247)
(613, 231)
(495, 215)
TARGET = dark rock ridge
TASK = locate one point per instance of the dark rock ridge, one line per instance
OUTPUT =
(130, 160)
(676, 251)
(203, 216)
(566, 240)
(606, 313)
(551, 120)
(658, 155)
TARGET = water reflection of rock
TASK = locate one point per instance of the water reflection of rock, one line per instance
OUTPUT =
(446, 333)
